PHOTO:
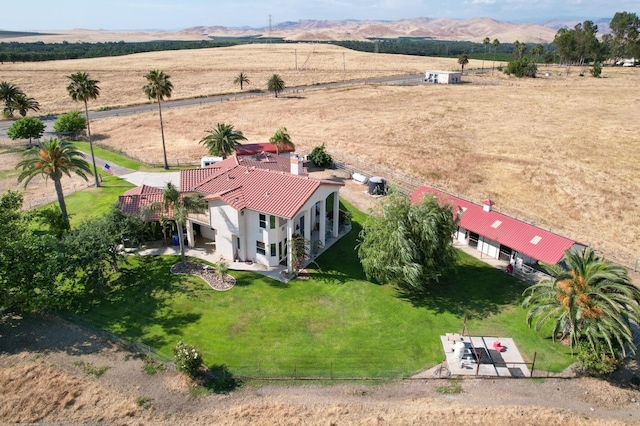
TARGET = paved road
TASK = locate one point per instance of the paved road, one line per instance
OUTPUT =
(179, 103)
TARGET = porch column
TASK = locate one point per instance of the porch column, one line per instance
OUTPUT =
(308, 224)
(336, 213)
(289, 245)
(190, 240)
(323, 222)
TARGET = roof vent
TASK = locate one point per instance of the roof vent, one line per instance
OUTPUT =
(487, 205)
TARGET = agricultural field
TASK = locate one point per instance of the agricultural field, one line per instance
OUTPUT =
(559, 150)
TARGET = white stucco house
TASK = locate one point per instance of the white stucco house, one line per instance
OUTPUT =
(255, 206)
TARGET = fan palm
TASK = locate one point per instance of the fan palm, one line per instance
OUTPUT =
(486, 42)
(240, 79)
(52, 159)
(159, 87)
(223, 140)
(82, 88)
(275, 84)
(590, 298)
(495, 44)
(23, 104)
(8, 94)
(281, 139)
(176, 207)
(463, 60)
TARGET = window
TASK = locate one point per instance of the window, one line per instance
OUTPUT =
(260, 247)
(273, 250)
(263, 221)
(272, 222)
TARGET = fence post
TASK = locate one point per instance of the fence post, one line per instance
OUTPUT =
(533, 364)
(635, 268)
(331, 371)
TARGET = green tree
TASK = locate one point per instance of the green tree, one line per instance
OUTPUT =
(241, 79)
(8, 94)
(320, 157)
(567, 46)
(70, 124)
(275, 84)
(158, 88)
(495, 44)
(176, 207)
(81, 88)
(26, 128)
(463, 60)
(281, 139)
(625, 28)
(588, 299)
(29, 263)
(596, 70)
(223, 140)
(536, 51)
(23, 104)
(52, 159)
(522, 67)
(486, 43)
(407, 244)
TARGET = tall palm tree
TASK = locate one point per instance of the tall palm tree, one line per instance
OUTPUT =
(223, 140)
(275, 84)
(495, 44)
(588, 299)
(486, 42)
(52, 159)
(82, 88)
(176, 207)
(8, 94)
(240, 79)
(281, 139)
(23, 104)
(537, 50)
(159, 87)
(463, 60)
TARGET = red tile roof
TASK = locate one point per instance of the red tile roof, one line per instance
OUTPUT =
(132, 204)
(143, 190)
(277, 193)
(257, 148)
(268, 161)
(525, 238)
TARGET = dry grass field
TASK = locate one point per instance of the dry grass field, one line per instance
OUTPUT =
(560, 150)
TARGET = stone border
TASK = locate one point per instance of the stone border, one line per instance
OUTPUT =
(207, 273)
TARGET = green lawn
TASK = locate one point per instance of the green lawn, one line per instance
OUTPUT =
(115, 158)
(336, 323)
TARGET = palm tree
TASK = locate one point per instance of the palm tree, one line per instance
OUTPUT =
(176, 207)
(52, 159)
(82, 88)
(8, 94)
(589, 298)
(23, 104)
(159, 87)
(463, 60)
(223, 140)
(240, 79)
(486, 42)
(281, 139)
(495, 43)
(275, 84)
(537, 50)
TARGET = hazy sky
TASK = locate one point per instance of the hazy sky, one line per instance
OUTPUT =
(23, 15)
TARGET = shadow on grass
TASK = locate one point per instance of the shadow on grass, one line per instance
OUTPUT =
(218, 379)
(476, 290)
(139, 298)
(340, 263)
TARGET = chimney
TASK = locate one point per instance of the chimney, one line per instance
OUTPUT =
(296, 165)
(487, 205)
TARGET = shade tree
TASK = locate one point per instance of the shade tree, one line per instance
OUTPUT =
(26, 128)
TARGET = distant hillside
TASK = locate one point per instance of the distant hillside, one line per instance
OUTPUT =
(475, 29)
(14, 34)
(603, 25)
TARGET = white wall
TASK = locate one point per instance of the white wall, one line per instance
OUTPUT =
(226, 221)
(489, 247)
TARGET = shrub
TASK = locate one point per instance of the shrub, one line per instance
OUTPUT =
(188, 360)
(70, 124)
(596, 363)
(320, 157)
(596, 71)
(522, 68)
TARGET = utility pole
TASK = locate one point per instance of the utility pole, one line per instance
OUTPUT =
(269, 36)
